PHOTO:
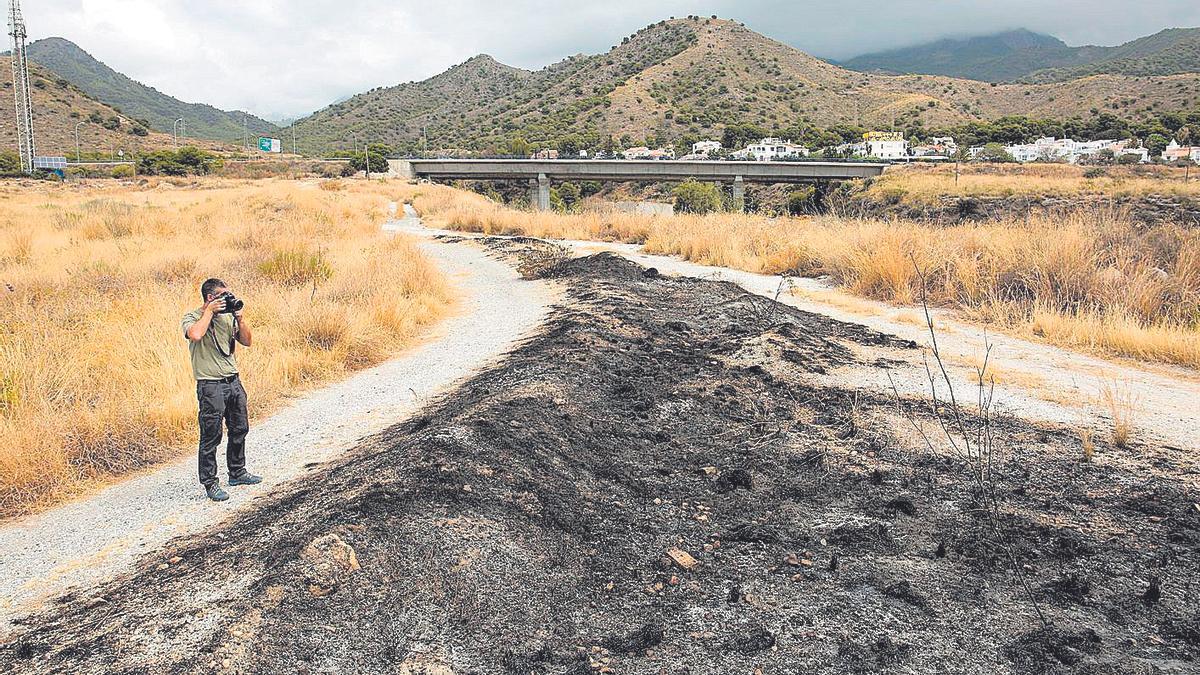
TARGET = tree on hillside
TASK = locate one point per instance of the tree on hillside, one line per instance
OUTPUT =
(518, 147)
(1156, 143)
(10, 164)
(994, 152)
(569, 146)
(737, 136)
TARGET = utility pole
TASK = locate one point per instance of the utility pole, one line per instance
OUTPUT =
(77, 153)
(293, 125)
(245, 137)
(24, 100)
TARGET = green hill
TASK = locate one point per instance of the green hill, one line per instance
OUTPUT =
(137, 100)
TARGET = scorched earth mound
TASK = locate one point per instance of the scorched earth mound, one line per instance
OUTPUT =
(652, 485)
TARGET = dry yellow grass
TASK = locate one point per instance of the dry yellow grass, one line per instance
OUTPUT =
(923, 183)
(1122, 404)
(1091, 280)
(94, 376)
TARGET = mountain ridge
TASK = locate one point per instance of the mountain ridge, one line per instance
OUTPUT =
(71, 62)
(1171, 51)
(62, 110)
(1026, 56)
(691, 78)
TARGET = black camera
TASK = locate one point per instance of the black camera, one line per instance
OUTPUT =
(232, 303)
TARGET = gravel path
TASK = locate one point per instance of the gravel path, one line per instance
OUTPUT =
(87, 541)
(1035, 381)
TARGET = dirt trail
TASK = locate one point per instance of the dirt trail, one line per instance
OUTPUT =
(85, 542)
(1034, 381)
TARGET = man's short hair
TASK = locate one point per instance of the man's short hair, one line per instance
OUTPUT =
(209, 286)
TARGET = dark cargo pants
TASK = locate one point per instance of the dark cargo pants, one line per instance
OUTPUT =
(222, 401)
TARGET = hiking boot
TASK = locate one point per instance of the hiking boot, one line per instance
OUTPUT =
(215, 492)
(245, 479)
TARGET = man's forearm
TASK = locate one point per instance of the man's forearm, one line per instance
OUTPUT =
(243, 335)
(196, 331)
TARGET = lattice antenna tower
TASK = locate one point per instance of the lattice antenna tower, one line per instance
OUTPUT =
(24, 101)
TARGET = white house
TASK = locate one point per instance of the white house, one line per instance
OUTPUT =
(945, 144)
(938, 146)
(705, 147)
(771, 149)
(851, 149)
(1175, 152)
(1046, 149)
(1051, 149)
(886, 144)
(1143, 154)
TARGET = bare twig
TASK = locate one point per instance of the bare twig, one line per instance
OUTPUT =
(970, 435)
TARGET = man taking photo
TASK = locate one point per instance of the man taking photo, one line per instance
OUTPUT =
(213, 332)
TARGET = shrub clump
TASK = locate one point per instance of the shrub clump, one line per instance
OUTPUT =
(187, 161)
(295, 266)
(692, 196)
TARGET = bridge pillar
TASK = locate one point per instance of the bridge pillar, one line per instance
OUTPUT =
(543, 192)
(533, 193)
(739, 194)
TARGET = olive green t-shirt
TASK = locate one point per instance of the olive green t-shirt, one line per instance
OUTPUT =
(208, 361)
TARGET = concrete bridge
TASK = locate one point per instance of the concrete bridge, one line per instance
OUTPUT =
(540, 173)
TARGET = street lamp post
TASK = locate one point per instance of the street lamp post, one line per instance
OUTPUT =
(77, 153)
(366, 158)
(293, 126)
(175, 132)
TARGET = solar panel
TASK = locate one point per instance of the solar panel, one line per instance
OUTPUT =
(49, 162)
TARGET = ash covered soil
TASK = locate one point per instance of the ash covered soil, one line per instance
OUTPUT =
(651, 485)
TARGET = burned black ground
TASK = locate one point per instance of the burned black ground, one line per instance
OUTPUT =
(522, 525)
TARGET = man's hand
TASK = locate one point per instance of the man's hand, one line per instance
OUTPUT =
(215, 306)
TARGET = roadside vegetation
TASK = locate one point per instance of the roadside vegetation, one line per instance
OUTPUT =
(94, 376)
(1091, 280)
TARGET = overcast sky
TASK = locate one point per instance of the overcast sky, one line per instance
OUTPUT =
(289, 57)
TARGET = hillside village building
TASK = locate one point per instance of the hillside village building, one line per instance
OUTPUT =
(851, 149)
(942, 147)
(1050, 149)
(703, 150)
(771, 149)
(1176, 152)
(642, 152)
(886, 144)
